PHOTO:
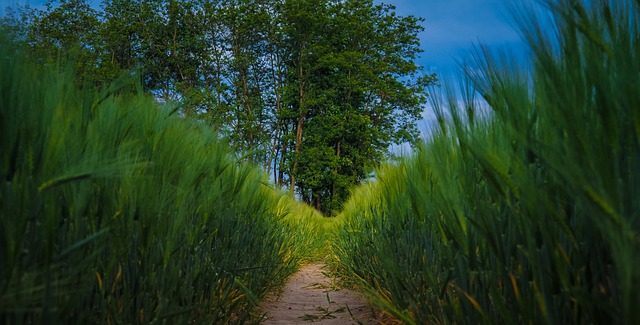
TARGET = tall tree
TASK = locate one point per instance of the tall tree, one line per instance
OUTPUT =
(67, 30)
(314, 90)
(247, 22)
(360, 91)
(303, 24)
(120, 32)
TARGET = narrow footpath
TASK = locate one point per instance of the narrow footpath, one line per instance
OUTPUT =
(310, 296)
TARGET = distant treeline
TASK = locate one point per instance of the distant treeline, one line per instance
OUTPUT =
(315, 91)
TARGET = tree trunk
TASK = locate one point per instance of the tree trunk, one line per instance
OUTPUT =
(300, 121)
(277, 135)
(247, 103)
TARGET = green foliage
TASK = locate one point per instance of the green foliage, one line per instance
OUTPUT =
(314, 91)
(357, 90)
(115, 210)
(526, 215)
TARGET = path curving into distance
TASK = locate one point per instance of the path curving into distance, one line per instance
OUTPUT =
(310, 296)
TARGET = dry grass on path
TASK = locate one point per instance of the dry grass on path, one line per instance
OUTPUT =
(310, 296)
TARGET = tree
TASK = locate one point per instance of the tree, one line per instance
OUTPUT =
(67, 30)
(358, 92)
(121, 31)
(314, 90)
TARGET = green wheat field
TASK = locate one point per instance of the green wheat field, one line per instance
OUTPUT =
(523, 207)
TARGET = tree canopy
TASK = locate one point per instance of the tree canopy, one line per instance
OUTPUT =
(315, 91)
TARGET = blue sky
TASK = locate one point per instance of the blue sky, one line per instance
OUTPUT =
(452, 27)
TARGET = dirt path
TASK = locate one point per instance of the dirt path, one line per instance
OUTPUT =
(311, 296)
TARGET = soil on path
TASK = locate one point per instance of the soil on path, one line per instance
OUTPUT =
(311, 296)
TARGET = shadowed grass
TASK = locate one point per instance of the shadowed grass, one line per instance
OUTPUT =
(116, 211)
